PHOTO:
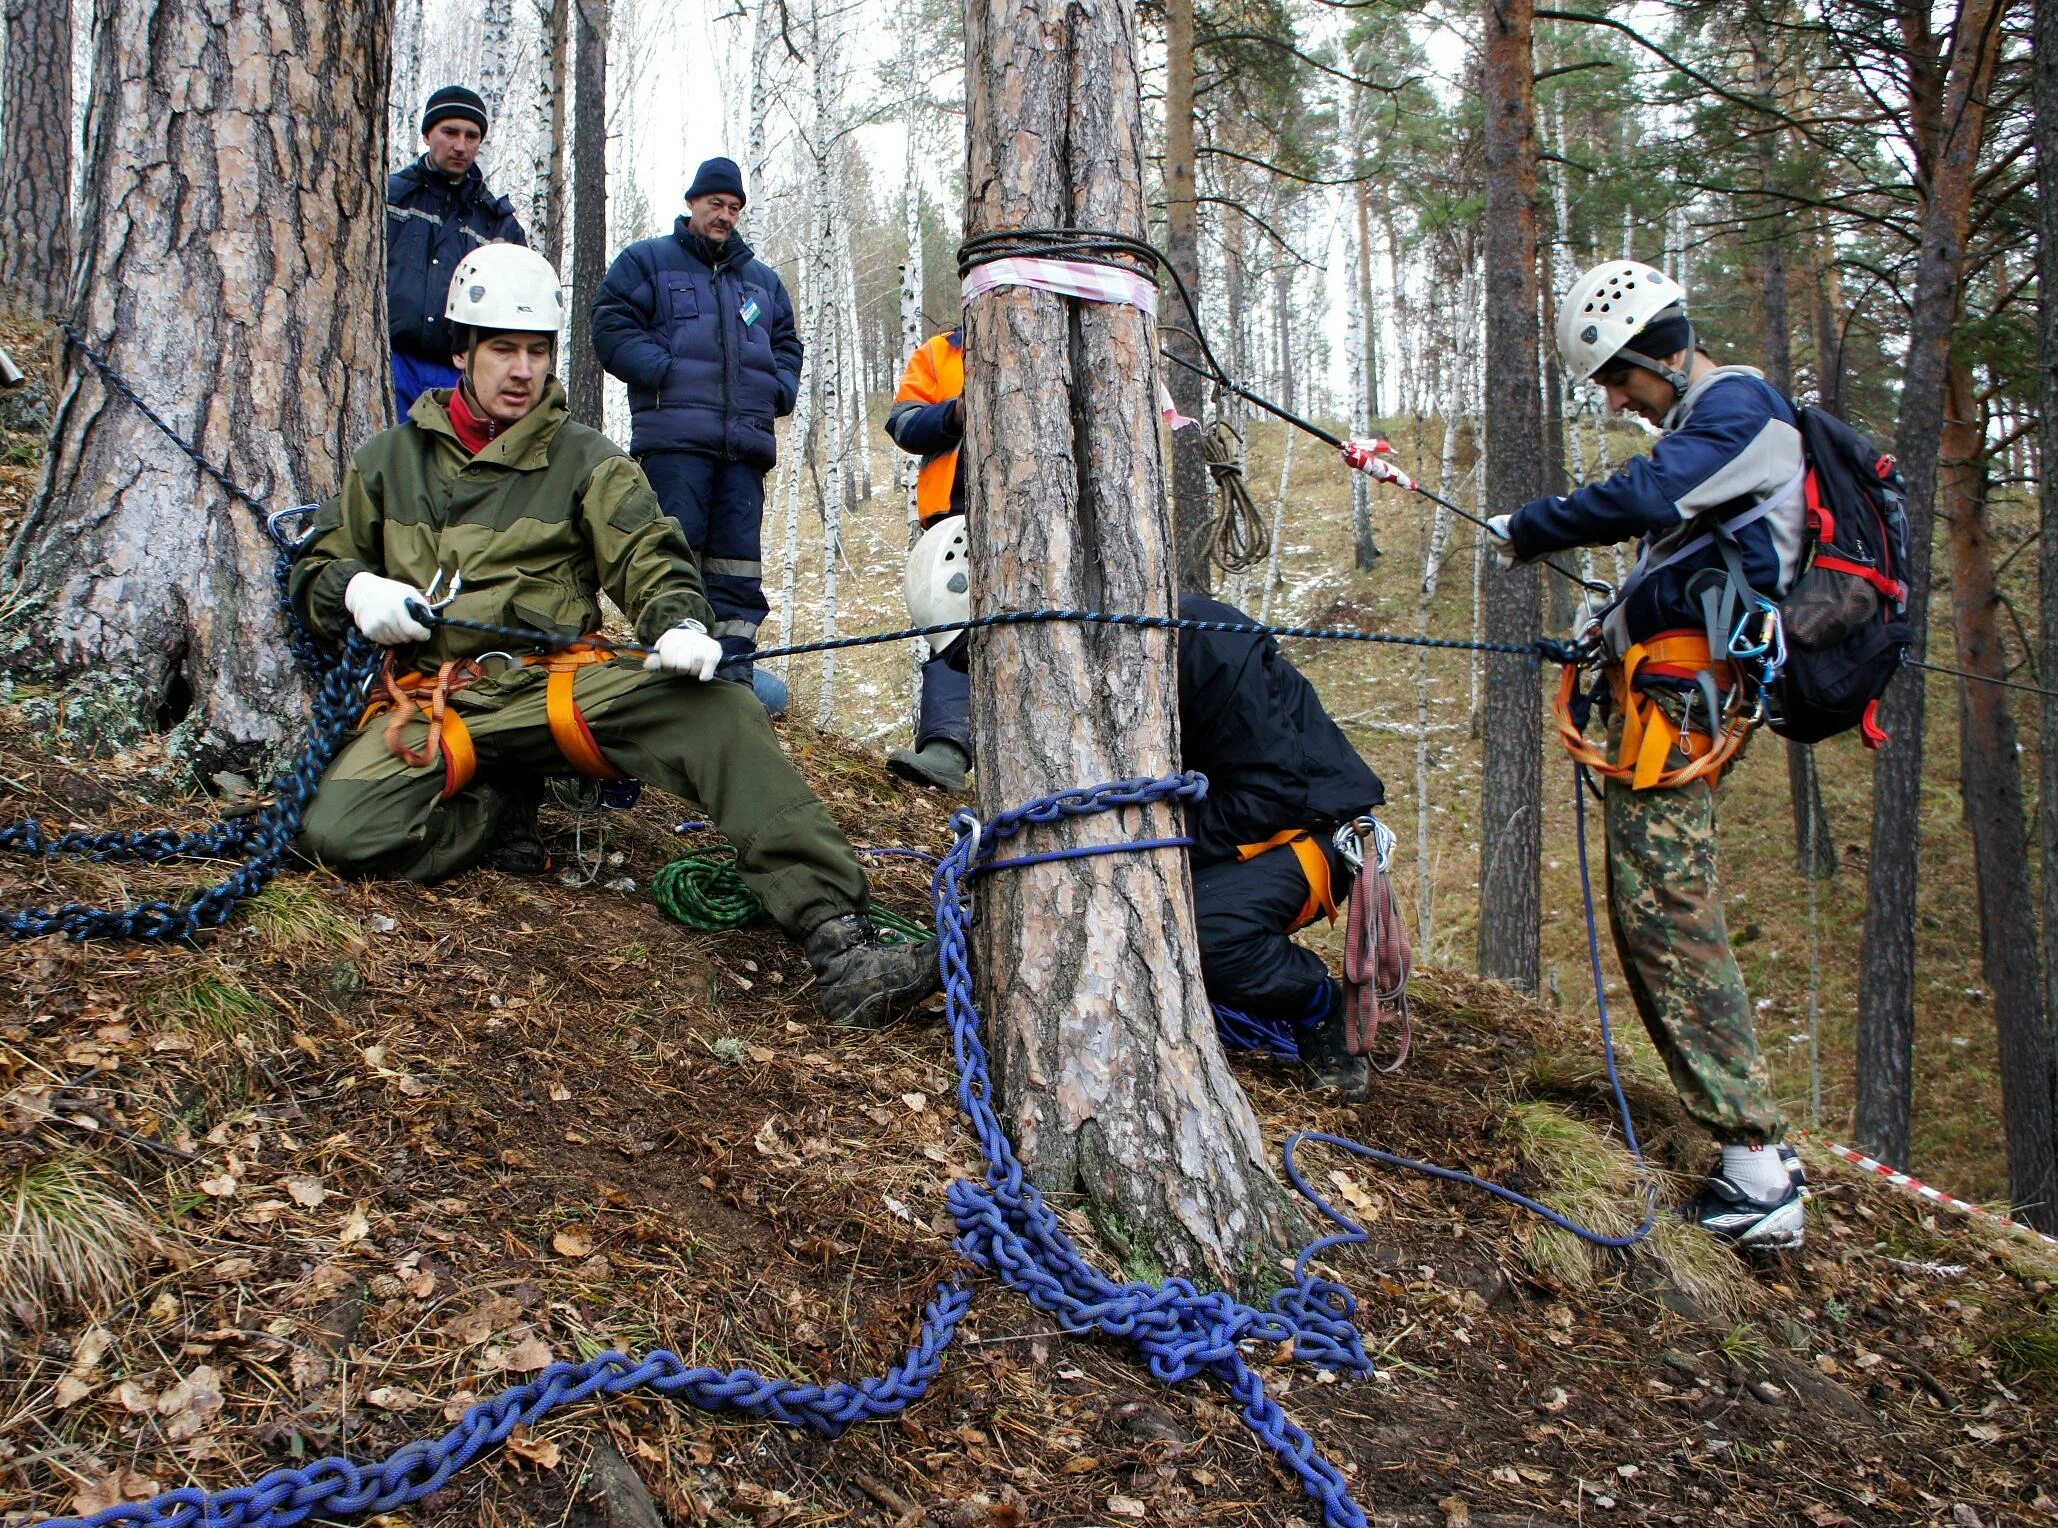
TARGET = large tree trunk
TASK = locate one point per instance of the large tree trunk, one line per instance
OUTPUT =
(1192, 494)
(35, 155)
(1511, 789)
(231, 271)
(1109, 1071)
(2045, 55)
(584, 381)
(1948, 111)
(1991, 777)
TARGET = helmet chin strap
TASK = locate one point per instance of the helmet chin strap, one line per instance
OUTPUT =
(1677, 376)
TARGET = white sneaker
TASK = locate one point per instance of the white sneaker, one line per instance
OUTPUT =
(1771, 1225)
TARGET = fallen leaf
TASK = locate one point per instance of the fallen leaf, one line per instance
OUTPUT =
(918, 1102)
(306, 1045)
(91, 1347)
(476, 1325)
(394, 1398)
(191, 1404)
(1127, 1506)
(559, 1093)
(134, 1398)
(308, 1193)
(572, 1241)
(1457, 1513)
(355, 1230)
(70, 1391)
(1554, 1401)
(527, 1356)
(221, 1186)
(1983, 1432)
(122, 1486)
(760, 1054)
(540, 1452)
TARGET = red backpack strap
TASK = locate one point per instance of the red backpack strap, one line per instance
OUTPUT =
(1875, 735)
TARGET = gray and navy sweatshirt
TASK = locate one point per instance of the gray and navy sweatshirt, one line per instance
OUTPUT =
(1731, 445)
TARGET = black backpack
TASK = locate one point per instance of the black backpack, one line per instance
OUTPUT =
(1846, 622)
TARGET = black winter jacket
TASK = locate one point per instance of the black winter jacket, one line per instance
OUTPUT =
(430, 226)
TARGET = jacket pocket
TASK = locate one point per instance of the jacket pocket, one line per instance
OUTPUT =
(682, 299)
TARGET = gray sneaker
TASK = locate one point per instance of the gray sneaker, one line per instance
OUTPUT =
(860, 979)
(940, 764)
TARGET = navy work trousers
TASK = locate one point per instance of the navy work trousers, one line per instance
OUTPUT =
(720, 505)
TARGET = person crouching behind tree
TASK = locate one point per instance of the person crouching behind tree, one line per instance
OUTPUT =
(1730, 456)
(438, 210)
(702, 332)
(494, 482)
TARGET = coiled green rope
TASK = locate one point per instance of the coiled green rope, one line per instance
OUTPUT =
(703, 889)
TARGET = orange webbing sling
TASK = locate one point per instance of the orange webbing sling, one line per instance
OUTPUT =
(568, 727)
(448, 739)
(1314, 865)
(1649, 735)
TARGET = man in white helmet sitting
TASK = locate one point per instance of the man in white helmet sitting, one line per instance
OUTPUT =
(493, 483)
(1720, 494)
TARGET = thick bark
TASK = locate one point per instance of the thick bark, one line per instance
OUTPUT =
(1990, 772)
(584, 381)
(1110, 1074)
(229, 268)
(1511, 788)
(2045, 53)
(1192, 494)
(1947, 110)
(35, 155)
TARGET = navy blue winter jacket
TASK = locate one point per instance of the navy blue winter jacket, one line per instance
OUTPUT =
(1731, 445)
(705, 339)
(430, 226)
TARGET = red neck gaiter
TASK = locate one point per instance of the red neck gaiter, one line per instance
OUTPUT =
(473, 432)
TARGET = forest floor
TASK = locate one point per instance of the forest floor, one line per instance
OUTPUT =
(374, 1151)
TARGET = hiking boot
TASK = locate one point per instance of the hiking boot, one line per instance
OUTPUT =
(1796, 1172)
(860, 979)
(1325, 1053)
(517, 845)
(940, 764)
(1769, 1225)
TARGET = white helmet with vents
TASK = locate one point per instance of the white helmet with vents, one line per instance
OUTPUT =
(1606, 310)
(939, 580)
(506, 286)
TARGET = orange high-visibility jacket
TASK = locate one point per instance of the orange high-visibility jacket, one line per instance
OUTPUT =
(921, 421)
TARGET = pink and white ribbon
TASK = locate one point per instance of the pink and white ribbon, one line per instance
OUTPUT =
(1374, 458)
(1922, 1190)
(1083, 279)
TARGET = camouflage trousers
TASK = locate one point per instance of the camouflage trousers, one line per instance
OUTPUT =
(1665, 909)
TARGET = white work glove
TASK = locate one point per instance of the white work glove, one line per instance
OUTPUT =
(686, 649)
(379, 606)
(1498, 543)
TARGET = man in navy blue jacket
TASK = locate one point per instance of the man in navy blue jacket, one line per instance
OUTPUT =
(1730, 457)
(702, 332)
(438, 210)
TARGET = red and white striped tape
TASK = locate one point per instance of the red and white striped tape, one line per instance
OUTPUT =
(1069, 278)
(1922, 1190)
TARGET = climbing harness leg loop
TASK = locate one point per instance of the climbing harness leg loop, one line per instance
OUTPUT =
(1314, 862)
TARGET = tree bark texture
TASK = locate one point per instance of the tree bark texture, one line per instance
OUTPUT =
(584, 381)
(2045, 56)
(1192, 493)
(1947, 108)
(1990, 774)
(1109, 1071)
(35, 155)
(231, 269)
(1511, 788)
(1364, 534)
(547, 167)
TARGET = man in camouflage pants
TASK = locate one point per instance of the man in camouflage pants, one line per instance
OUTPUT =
(1730, 456)
(493, 480)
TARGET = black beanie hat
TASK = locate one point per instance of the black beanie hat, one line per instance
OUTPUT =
(1667, 334)
(455, 101)
(717, 175)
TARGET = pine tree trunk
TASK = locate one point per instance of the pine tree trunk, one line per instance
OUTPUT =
(1192, 498)
(585, 383)
(1990, 772)
(2045, 55)
(235, 281)
(1109, 1071)
(35, 156)
(1511, 786)
(1827, 290)
(1948, 112)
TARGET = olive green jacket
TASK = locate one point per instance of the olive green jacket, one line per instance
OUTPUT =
(546, 516)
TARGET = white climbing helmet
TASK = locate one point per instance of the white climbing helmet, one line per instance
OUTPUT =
(939, 581)
(506, 286)
(1608, 308)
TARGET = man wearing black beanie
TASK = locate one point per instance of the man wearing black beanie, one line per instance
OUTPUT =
(702, 332)
(438, 210)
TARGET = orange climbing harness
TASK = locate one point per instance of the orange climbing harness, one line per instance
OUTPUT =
(411, 694)
(1679, 661)
(1314, 865)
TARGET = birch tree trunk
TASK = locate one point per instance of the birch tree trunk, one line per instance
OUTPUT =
(1948, 109)
(1990, 774)
(406, 97)
(911, 335)
(1109, 1071)
(1364, 544)
(231, 271)
(496, 53)
(584, 381)
(1511, 784)
(824, 246)
(1192, 500)
(547, 164)
(35, 156)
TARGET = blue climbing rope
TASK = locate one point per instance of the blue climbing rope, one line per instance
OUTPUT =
(1004, 1225)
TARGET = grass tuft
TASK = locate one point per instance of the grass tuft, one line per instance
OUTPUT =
(2029, 1353)
(203, 997)
(67, 1239)
(298, 912)
(1586, 1176)
(1700, 1267)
